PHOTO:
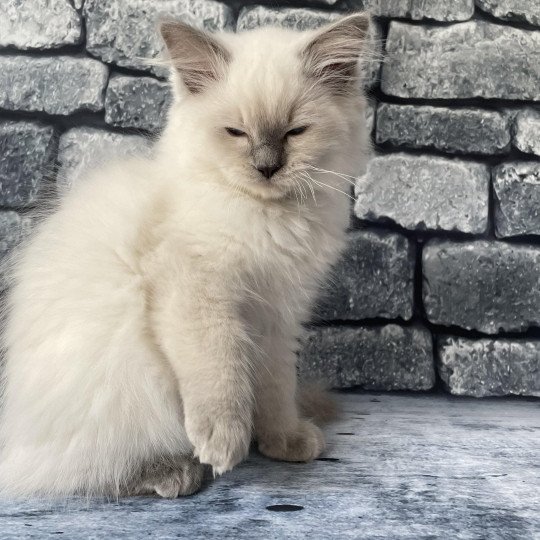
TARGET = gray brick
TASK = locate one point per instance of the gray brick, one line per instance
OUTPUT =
(371, 115)
(39, 24)
(84, 148)
(136, 102)
(27, 153)
(456, 10)
(125, 33)
(516, 188)
(513, 10)
(296, 18)
(462, 131)
(483, 285)
(425, 193)
(377, 358)
(488, 367)
(13, 228)
(374, 279)
(527, 131)
(465, 60)
(55, 85)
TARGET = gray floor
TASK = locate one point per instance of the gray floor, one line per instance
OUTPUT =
(397, 466)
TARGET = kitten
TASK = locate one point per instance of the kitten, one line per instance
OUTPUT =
(154, 317)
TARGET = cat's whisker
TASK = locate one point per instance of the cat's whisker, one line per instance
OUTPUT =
(301, 189)
(310, 188)
(296, 195)
(345, 177)
(303, 181)
(338, 175)
(322, 184)
(332, 172)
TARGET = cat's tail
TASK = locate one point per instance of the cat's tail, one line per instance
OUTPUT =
(316, 402)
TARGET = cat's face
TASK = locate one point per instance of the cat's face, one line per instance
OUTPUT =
(273, 108)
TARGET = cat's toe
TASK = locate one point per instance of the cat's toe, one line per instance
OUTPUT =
(180, 483)
(305, 443)
(171, 478)
(168, 488)
(224, 445)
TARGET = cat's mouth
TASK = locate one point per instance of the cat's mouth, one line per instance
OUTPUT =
(277, 188)
(285, 184)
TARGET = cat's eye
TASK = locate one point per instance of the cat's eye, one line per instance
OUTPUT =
(234, 132)
(296, 131)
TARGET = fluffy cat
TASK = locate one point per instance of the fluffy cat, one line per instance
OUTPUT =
(154, 317)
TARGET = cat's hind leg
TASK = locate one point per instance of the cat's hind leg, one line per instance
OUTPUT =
(169, 477)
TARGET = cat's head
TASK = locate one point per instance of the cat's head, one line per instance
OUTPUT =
(267, 110)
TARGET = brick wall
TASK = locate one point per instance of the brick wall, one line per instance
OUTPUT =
(441, 283)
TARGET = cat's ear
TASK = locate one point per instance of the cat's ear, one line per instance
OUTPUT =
(332, 55)
(196, 55)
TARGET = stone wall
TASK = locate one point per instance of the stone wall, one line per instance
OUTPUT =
(441, 283)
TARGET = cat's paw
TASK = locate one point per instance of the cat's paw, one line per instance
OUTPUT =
(168, 477)
(305, 443)
(180, 483)
(221, 442)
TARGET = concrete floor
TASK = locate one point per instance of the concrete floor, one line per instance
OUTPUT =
(397, 466)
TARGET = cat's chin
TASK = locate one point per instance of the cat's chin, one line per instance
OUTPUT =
(265, 192)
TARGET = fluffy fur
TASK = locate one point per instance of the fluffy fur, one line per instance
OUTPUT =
(154, 317)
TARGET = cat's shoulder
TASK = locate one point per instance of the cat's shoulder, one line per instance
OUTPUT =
(123, 188)
(122, 175)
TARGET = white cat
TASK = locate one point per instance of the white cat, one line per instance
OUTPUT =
(154, 317)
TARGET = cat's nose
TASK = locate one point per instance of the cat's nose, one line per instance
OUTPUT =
(269, 170)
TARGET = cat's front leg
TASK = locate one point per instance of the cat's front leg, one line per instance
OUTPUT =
(280, 430)
(208, 347)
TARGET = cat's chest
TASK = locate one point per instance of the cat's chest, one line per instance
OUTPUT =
(286, 261)
(291, 248)
(288, 235)
(266, 242)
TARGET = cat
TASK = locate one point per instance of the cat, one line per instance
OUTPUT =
(154, 317)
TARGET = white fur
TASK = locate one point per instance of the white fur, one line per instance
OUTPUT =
(167, 294)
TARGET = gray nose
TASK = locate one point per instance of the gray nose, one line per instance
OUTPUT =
(267, 158)
(269, 170)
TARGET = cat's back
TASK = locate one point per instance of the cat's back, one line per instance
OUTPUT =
(110, 207)
(77, 346)
(97, 222)
(82, 260)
